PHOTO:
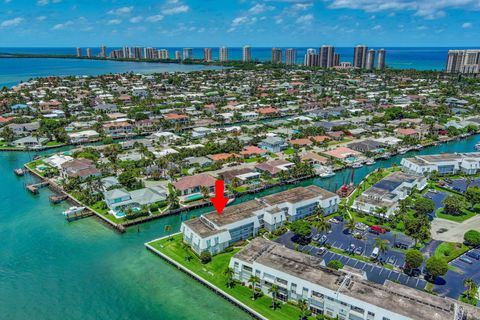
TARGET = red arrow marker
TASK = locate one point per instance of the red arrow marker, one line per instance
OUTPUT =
(219, 202)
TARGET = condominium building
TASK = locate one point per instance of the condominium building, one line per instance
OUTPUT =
(444, 163)
(343, 294)
(276, 55)
(137, 53)
(290, 56)
(370, 59)
(150, 53)
(79, 52)
(327, 56)
(463, 61)
(312, 59)
(103, 52)
(360, 56)
(246, 54)
(387, 193)
(336, 59)
(163, 54)
(187, 53)
(178, 55)
(89, 53)
(223, 54)
(214, 233)
(207, 54)
(381, 59)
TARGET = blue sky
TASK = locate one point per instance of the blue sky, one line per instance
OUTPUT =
(197, 23)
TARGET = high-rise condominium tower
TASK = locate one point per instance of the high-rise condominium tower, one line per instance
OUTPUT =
(370, 59)
(103, 52)
(246, 54)
(163, 54)
(223, 54)
(312, 59)
(276, 55)
(89, 53)
(178, 55)
(327, 56)
(187, 53)
(381, 59)
(360, 56)
(290, 56)
(79, 52)
(207, 54)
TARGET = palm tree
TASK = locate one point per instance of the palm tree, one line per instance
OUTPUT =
(274, 291)
(472, 288)
(303, 306)
(350, 225)
(322, 225)
(205, 191)
(254, 280)
(382, 245)
(229, 273)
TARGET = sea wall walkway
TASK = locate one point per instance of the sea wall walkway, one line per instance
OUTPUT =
(204, 282)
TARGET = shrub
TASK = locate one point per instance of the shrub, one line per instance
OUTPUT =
(472, 237)
(335, 264)
(205, 257)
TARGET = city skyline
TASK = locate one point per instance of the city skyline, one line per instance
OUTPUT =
(272, 23)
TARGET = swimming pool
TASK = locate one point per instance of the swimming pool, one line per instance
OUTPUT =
(193, 197)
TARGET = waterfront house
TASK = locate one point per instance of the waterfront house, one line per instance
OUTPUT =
(192, 184)
(29, 142)
(119, 128)
(214, 233)
(366, 146)
(82, 168)
(252, 151)
(342, 153)
(274, 167)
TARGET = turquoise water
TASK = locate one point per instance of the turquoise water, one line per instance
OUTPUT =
(52, 269)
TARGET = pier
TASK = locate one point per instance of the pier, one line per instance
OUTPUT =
(34, 188)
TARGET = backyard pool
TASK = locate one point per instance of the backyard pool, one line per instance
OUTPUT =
(193, 197)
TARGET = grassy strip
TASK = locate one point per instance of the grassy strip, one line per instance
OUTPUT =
(214, 273)
(449, 251)
(465, 216)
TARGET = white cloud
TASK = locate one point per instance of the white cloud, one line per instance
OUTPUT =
(377, 27)
(12, 22)
(120, 11)
(175, 10)
(61, 26)
(305, 19)
(467, 25)
(428, 9)
(154, 18)
(41, 18)
(260, 8)
(114, 21)
(136, 19)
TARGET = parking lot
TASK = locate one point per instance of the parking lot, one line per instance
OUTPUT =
(339, 238)
(452, 283)
(437, 197)
(461, 185)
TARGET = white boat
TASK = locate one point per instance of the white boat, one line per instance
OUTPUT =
(402, 150)
(73, 210)
(369, 162)
(477, 146)
(327, 174)
(357, 165)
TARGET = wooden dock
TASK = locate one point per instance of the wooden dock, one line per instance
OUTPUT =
(58, 198)
(79, 215)
(34, 188)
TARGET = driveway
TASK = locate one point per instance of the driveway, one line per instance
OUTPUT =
(454, 230)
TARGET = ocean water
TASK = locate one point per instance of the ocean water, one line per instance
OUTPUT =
(52, 269)
(14, 70)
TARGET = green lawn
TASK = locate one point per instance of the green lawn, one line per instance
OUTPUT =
(213, 272)
(289, 151)
(465, 216)
(253, 159)
(104, 212)
(448, 251)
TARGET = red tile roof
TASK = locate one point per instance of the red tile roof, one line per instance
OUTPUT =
(203, 179)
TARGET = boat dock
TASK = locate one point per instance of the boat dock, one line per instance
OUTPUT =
(34, 188)
(19, 172)
(58, 198)
(78, 215)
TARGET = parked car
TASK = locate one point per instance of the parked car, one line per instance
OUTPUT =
(333, 220)
(391, 260)
(465, 259)
(377, 229)
(321, 251)
(323, 239)
(316, 237)
(361, 226)
(358, 251)
(338, 218)
(351, 249)
(375, 253)
(473, 254)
